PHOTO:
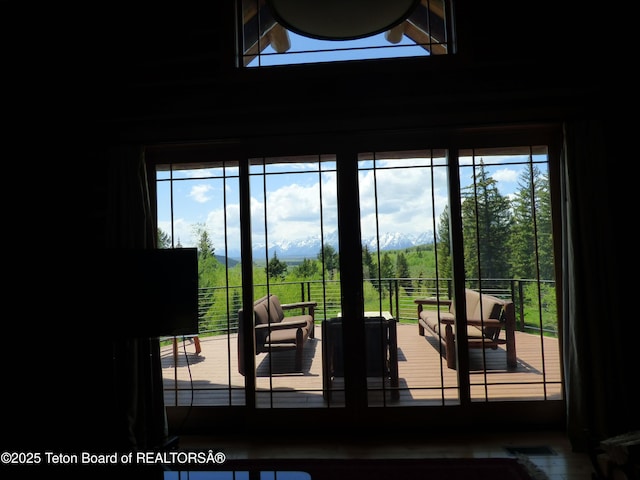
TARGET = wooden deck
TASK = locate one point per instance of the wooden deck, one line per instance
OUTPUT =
(212, 378)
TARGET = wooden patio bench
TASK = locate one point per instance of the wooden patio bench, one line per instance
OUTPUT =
(487, 316)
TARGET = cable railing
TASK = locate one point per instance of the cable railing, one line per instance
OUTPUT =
(535, 312)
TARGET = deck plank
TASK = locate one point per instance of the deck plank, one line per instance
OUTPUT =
(212, 379)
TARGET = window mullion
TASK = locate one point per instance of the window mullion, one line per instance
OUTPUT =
(458, 274)
(247, 283)
(351, 279)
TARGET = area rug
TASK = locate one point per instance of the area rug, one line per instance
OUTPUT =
(372, 469)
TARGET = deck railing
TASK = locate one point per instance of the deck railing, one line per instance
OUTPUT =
(218, 306)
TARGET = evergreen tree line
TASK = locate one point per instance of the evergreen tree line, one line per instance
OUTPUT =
(502, 237)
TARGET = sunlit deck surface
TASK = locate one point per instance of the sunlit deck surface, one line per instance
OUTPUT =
(212, 378)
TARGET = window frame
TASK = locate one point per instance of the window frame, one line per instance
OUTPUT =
(420, 31)
(550, 412)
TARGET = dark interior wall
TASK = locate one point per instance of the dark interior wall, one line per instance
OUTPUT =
(168, 74)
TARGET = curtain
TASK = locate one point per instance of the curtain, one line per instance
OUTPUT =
(139, 421)
(600, 366)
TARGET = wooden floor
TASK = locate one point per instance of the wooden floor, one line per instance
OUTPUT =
(211, 377)
(547, 452)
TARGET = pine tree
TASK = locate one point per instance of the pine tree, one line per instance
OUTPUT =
(276, 269)
(532, 227)
(207, 262)
(443, 250)
(545, 228)
(386, 271)
(164, 240)
(402, 270)
(386, 266)
(369, 269)
(523, 240)
(329, 258)
(205, 245)
(486, 227)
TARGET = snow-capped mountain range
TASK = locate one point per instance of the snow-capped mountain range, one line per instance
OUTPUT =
(310, 247)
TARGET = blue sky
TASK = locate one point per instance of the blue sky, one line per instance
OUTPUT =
(308, 50)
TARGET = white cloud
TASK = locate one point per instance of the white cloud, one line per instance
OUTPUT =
(199, 193)
(506, 175)
(182, 231)
(404, 199)
(407, 201)
(294, 210)
(221, 236)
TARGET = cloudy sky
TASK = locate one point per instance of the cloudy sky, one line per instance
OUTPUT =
(298, 198)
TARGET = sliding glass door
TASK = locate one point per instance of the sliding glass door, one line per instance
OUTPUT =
(501, 241)
(294, 254)
(391, 247)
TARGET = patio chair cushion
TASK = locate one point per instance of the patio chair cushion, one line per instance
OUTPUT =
(487, 317)
(273, 330)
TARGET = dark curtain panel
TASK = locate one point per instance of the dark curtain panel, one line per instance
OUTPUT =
(139, 415)
(601, 368)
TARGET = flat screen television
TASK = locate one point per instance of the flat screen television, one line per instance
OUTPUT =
(148, 293)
